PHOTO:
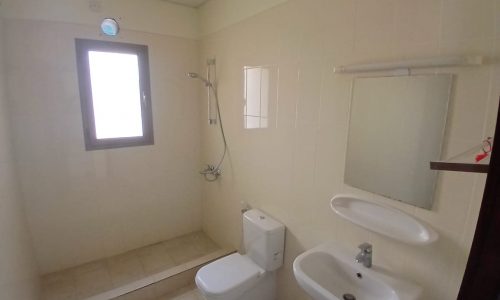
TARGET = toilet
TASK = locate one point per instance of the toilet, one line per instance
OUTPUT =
(251, 276)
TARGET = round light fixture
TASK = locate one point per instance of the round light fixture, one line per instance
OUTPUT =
(110, 27)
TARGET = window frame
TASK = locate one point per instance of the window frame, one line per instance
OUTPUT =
(83, 46)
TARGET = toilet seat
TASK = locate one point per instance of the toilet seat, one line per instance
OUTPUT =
(228, 277)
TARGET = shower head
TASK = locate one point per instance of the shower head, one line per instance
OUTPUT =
(197, 76)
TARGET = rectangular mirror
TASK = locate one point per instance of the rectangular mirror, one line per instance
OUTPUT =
(396, 128)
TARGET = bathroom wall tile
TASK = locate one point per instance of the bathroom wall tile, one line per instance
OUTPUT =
(450, 204)
(468, 106)
(268, 39)
(288, 87)
(290, 39)
(293, 291)
(494, 97)
(466, 19)
(409, 50)
(375, 28)
(338, 26)
(417, 22)
(497, 18)
(457, 268)
(441, 264)
(473, 214)
(18, 267)
(69, 190)
(309, 89)
(292, 171)
(303, 165)
(332, 134)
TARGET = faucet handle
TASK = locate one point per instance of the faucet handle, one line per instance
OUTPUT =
(366, 247)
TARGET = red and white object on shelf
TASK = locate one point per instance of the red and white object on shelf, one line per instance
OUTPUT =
(486, 148)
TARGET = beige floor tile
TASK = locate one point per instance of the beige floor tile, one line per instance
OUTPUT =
(187, 293)
(182, 249)
(59, 286)
(91, 279)
(155, 258)
(125, 268)
(103, 275)
(204, 243)
(146, 293)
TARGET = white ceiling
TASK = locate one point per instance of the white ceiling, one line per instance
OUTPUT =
(191, 3)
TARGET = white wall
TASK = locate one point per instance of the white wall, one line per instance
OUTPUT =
(18, 272)
(84, 205)
(293, 168)
(215, 15)
(154, 16)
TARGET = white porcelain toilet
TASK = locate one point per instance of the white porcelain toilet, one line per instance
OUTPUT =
(251, 276)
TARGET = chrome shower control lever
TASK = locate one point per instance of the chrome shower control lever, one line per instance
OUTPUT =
(365, 256)
(211, 171)
(208, 170)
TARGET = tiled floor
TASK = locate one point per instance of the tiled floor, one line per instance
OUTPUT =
(187, 293)
(99, 276)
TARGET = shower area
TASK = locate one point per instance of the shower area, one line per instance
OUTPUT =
(162, 270)
(116, 223)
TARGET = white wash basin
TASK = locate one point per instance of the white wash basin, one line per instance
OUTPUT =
(328, 272)
(383, 220)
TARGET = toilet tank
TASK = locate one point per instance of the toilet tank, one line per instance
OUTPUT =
(264, 239)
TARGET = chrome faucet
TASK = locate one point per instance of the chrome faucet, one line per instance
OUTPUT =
(365, 256)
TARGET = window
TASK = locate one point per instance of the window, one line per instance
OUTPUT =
(114, 94)
(260, 84)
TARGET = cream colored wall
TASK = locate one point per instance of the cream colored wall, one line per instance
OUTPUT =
(84, 205)
(214, 15)
(293, 168)
(154, 16)
(18, 272)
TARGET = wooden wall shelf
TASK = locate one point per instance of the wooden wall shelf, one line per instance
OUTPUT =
(463, 162)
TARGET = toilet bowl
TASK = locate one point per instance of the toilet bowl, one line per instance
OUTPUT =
(251, 276)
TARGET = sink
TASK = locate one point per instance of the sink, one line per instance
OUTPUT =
(329, 272)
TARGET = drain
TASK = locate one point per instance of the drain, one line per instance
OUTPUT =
(349, 297)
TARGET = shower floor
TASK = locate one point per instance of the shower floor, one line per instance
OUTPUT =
(160, 271)
(186, 293)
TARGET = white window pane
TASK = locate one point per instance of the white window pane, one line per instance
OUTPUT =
(252, 122)
(253, 92)
(115, 94)
(265, 91)
(259, 92)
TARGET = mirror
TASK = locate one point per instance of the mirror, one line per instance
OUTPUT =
(396, 128)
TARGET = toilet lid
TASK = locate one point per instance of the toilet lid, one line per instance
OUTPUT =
(229, 276)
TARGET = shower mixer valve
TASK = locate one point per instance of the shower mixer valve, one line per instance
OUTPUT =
(211, 169)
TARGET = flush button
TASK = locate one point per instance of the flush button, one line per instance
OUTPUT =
(262, 217)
